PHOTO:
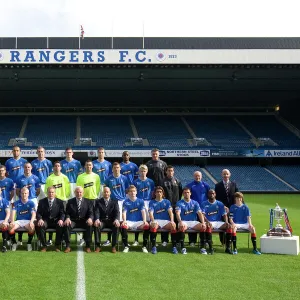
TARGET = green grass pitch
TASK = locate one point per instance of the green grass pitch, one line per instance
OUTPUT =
(135, 275)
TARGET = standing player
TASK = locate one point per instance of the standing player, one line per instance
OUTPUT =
(173, 191)
(128, 168)
(89, 181)
(225, 191)
(15, 165)
(42, 168)
(199, 192)
(118, 184)
(24, 213)
(187, 211)
(102, 167)
(71, 168)
(134, 217)
(214, 214)
(156, 168)
(6, 185)
(240, 218)
(161, 216)
(4, 217)
(145, 189)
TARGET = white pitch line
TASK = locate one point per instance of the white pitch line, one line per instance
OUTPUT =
(80, 287)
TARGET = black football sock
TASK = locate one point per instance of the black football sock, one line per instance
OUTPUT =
(253, 240)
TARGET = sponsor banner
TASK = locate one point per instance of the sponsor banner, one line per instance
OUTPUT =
(237, 153)
(282, 153)
(184, 153)
(145, 56)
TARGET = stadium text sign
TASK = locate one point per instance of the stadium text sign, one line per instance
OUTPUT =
(282, 153)
(145, 56)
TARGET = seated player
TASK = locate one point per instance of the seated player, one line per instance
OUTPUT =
(187, 211)
(240, 218)
(214, 212)
(23, 216)
(134, 217)
(161, 216)
(4, 217)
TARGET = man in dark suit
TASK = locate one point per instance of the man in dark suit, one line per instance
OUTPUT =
(50, 214)
(107, 215)
(79, 214)
(225, 191)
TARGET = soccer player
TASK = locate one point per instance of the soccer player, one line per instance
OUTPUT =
(31, 182)
(102, 167)
(161, 216)
(15, 165)
(71, 168)
(187, 211)
(128, 168)
(6, 185)
(89, 181)
(145, 189)
(4, 217)
(134, 217)
(60, 182)
(240, 218)
(156, 168)
(24, 213)
(199, 192)
(173, 191)
(118, 184)
(214, 214)
(42, 168)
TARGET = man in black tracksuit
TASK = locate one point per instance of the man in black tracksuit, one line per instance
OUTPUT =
(156, 168)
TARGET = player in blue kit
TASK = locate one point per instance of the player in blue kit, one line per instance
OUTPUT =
(6, 185)
(214, 214)
(134, 217)
(145, 189)
(240, 218)
(23, 216)
(161, 216)
(4, 217)
(30, 181)
(187, 211)
(102, 167)
(71, 168)
(128, 168)
(42, 168)
(15, 165)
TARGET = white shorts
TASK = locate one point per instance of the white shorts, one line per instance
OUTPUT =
(120, 202)
(72, 189)
(190, 224)
(101, 191)
(34, 200)
(162, 223)
(134, 225)
(22, 223)
(217, 224)
(242, 226)
(146, 209)
(42, 194)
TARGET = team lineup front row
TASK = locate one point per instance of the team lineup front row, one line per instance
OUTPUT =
(94, 216)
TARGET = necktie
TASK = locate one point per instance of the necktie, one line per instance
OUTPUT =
(79, 206)
(106, 203)
(227, 189)
(50, 206)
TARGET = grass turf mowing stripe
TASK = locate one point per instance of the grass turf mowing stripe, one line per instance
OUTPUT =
(80, 286)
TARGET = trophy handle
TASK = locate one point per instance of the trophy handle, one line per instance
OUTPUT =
(271, 218)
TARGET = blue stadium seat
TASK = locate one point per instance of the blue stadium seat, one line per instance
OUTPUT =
(250, 178)
(10, 129)
(163, 131)
(220, 131)
(290, 174)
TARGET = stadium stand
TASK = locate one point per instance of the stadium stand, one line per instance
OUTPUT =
(162, 131)
(107, 131)
(10, 128)
(290, 174)
(52, 132)
(269, 127)
(185, 174)
(220, 131)
(250, 178)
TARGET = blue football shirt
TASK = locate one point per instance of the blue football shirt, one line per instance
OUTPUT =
(42, 169)
(188, 210)
(213, 211)
(118, 186)
(133, 209)
(71, 169)
(144, 188)
(160, 209)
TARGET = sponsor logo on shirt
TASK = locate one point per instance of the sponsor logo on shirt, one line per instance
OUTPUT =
(86, 185)
(16, 168)
(116, 186)
(212, 213)
(188, 212)
(144, 189)
(23, 212)
(70, 170)
(161, 210)
(40, 169)
(133, 210)
(126, 172)
(59, 185)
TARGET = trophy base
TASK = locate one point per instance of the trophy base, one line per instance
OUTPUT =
(279, 232)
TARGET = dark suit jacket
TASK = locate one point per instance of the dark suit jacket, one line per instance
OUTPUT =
(86, 209)
(221, 193)
(57, 212)
(111, 212)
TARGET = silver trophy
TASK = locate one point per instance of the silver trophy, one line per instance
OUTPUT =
(278, 214)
